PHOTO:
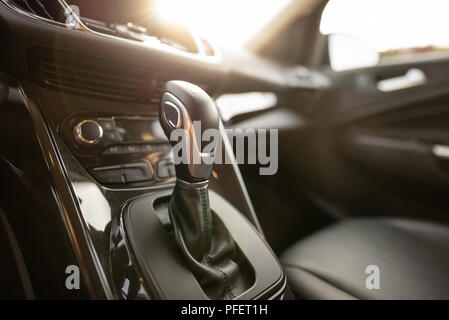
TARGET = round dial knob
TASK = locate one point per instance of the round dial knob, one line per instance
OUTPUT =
(88, 131)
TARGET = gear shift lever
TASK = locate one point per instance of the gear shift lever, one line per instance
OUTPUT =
(182, 104)
(205, 242)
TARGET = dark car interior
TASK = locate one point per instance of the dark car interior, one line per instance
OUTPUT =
(89, 99)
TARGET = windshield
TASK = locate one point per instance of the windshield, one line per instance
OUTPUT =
(229, 22)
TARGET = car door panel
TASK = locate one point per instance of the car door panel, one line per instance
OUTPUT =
(370, 152)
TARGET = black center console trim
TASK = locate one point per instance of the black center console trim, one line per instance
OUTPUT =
(163, 265)
(87, 255)
(95, 205)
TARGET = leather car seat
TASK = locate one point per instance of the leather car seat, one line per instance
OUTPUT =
(412, 259)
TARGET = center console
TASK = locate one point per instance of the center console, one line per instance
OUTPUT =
(137, 212)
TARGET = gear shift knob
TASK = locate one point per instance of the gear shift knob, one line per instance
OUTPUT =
(186, 106)
(208, 248)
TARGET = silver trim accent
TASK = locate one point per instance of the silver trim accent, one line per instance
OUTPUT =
(186, 123)
(185, 184)
(441, 151)
(12, 6)
(63, 4)
(230, 153)
(69, 207)
(79, 135)
(18, 257)
(179, 120)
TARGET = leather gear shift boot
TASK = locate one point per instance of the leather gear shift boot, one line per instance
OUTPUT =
(211, 254)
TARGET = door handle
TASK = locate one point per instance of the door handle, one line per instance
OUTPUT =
(412, 78)
(441, 151)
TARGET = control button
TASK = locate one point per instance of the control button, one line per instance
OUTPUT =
(135, 28)
(131, 149)
(165, 169)
(113, 150)
(112, 174)
(162, 147)
(113, 136)
(147, 148)
(124, 173)
(137, 172)
(88, 131)
(124, 149)
(108, 125)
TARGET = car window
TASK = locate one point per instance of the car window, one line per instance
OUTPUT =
(369, 32)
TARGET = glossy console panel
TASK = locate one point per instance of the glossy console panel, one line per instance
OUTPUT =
(128, 151)
(162, 264)
(93, 207)
(74, 212)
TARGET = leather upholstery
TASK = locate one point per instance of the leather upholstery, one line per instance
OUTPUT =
(412, 256)
(209, 249)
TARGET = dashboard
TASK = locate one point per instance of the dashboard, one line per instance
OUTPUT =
(99, 83)
(169, 59)
(90, 96)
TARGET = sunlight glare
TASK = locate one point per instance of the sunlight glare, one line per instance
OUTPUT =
(230, 22)
(389, 24)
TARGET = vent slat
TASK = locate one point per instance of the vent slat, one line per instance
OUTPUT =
(90, 92)
(51, 10)
(86, 86)
(48, 15)
(58, 77)
(65, 68)
(94, 89)
(76, 78)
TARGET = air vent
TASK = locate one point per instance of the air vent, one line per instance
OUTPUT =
(70, 78)
(51, 10)
(88, 76)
